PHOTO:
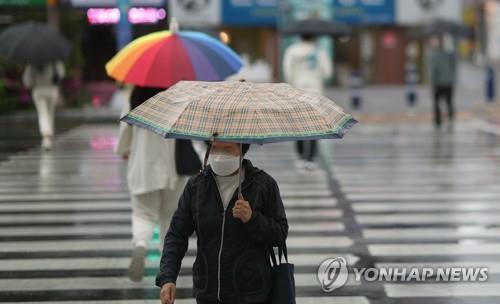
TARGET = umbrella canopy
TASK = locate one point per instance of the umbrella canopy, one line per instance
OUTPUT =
(440, 27)
(163, 58)
(33, 43)
(238, 111)
(317, 26)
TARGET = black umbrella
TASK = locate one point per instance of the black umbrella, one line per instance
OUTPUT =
(317, 27)
(441, 27)
(33, 43)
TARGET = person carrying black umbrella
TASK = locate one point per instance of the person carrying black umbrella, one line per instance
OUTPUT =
(44, 83)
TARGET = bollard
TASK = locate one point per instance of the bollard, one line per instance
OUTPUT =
(356, 86)
(490, 84)
(411, 84)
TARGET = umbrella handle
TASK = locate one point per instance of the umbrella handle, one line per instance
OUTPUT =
(240, 173)
(207, 153)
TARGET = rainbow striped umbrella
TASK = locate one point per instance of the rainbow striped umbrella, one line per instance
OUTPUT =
(163, 58)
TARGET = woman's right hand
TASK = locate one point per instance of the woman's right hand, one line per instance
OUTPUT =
(167, 293)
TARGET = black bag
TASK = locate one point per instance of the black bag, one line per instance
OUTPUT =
(283, 281)
(187, 161)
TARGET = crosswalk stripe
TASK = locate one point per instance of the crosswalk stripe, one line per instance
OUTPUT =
(327, 299)
(426, 218)
(423, 196)
(430, 233)
(434, 249)
(294, 241)
(122, 263)
(183, 281)
(426, 206)
(126, 228)
(125, 215)
(483, 289)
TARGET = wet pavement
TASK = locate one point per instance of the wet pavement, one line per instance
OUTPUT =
(19, 131)
(400, 194)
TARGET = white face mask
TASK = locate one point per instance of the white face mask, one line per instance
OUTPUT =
(224, 164)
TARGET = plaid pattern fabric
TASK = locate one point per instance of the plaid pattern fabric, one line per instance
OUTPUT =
(240, 112)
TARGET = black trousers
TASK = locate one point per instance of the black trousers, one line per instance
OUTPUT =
(307, 149)
(446, 93)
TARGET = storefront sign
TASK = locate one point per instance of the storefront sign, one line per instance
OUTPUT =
(250, 12)
(136, 15)
(23, 2)
(416, 12)
(364, 11)
(114, 3)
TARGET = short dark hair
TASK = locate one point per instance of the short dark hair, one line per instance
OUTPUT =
(244, 147)
(141, 94)
(307, 37)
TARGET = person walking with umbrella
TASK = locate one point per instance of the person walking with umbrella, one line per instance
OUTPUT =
(233, 230)
(234, 208)
(306, 66)
(42, 49)
(157, 168)
(44, 82)
(153, 180)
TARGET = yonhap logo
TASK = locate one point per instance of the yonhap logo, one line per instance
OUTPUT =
(333, 274)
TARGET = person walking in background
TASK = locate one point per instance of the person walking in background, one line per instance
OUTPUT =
(306, 66)
(44, 83)
(153, 180)
(443, 75)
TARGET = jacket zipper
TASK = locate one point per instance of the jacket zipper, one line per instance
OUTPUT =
(222, 233)
(220, 254)
(221, 239)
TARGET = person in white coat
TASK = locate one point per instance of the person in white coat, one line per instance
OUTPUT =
(44, 82)
(153, 182)
(306, 66)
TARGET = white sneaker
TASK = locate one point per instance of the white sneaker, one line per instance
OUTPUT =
(136, 267)
(46, 143)
(300, 164)
(311, 166)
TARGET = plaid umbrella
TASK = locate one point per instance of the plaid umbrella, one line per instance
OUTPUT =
(243, 112)
(239, 111)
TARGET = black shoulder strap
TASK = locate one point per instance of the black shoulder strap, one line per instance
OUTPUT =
(274, 263)
(282, 251)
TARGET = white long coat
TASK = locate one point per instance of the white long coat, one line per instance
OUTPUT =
(151, 164)
(306, 66)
